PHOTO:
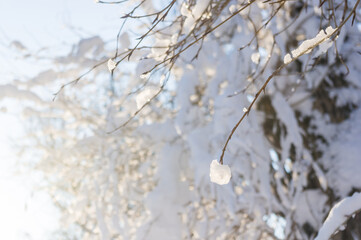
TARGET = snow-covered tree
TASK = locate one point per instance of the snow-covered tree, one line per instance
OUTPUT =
(270, 88)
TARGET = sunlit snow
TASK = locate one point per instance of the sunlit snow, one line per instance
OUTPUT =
(220, 174)
(111, 65)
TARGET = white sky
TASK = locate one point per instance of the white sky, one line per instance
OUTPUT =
(55, 24)
(39, 23)
(23, 212)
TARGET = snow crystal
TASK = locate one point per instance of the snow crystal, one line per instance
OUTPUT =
(111, 64)
(220, 174)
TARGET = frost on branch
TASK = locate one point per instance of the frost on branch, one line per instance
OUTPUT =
(220, 174)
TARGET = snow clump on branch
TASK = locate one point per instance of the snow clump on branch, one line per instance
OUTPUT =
(111, 65)
(220, 174)
(308, 45)
(339, 215)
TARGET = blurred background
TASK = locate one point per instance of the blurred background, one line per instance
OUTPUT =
(43, 28)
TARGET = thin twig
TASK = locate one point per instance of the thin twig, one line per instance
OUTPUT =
(75, 81)
(263, 88)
